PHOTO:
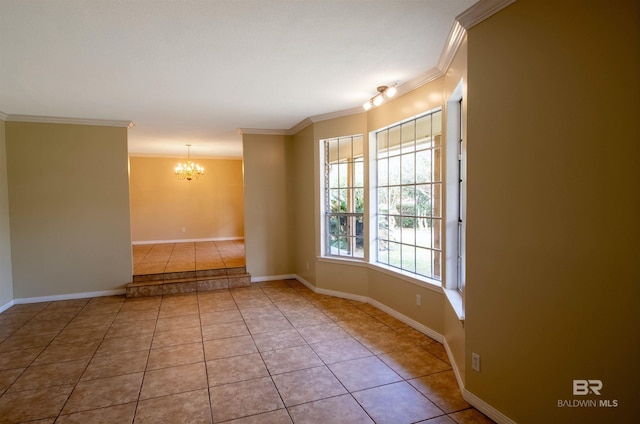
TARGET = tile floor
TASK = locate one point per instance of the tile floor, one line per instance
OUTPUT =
(192, 256)
(274, 352)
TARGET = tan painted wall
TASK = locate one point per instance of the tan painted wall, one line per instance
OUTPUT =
(553, 204)
(69, 208)
(269, 217)
(302, 183)
(165, 208)
(6, 279)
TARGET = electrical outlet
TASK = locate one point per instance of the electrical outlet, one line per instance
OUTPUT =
(418, 300)
(475, 361)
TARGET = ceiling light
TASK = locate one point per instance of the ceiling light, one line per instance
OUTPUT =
(188, 171)
(378, 99)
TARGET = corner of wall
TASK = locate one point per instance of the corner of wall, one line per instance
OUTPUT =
(6, 276)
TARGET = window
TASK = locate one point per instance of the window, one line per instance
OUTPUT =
(460, 193)
(409, 195)
(344, 196)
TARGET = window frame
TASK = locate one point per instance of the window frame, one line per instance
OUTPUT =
(354, 221)
(436, 245)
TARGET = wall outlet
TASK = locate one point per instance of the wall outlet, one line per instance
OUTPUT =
(418, 300)
(475, 362)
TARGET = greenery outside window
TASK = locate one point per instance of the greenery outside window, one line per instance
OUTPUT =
(344, 196)
(409, 195)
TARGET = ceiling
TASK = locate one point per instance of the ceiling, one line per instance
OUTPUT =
(187, 71)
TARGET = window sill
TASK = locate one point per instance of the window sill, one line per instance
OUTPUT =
(455, 300)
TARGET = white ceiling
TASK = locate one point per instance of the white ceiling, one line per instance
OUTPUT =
(187, 71)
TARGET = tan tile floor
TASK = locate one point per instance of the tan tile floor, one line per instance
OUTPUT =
(191, 256)
(271, 353)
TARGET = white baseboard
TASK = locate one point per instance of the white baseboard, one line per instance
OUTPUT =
(272, 278)
(196, 240)
(485, 408)
(7, 306)
(69, 296)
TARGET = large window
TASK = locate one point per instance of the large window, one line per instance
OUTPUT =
(344, 196)
(409, 195)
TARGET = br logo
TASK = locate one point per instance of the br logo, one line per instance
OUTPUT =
(585, 387)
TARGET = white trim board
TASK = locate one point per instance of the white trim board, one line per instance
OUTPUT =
(195, 240)
(69, 296)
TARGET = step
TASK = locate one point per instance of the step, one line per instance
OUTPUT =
(200, 281)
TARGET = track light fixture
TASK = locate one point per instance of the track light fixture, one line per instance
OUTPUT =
(378, 99)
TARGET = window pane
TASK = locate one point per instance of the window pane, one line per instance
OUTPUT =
(332, 146)
(359, 199)
(335, 204)
(436, 202)
(408, 169)
(409, 231)
(382, 140)
(408, 258)
(437, 233)
(343, 174)
(383, 227)
(394, 140)
(423, 233)
(423, 262)
(383, 172)
(423, 200)
(383, 200)
(408, 205)
(383, 251)
(394, 170)
(394, 200)
(436, 264)
(358, 178)
(408, 136)
(344, 149)
(358, 147)
(395, 254)
(436, 165)
(423, 131)
(423, 166)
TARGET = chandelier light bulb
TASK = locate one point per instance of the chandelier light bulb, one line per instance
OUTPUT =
(377, 100)
(367, 105)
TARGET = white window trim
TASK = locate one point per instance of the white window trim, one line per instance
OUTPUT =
(453, 117)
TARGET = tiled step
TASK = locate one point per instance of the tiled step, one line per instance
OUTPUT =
(187, 282)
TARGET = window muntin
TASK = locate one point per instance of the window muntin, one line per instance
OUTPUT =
(409, 195)
(344, 197)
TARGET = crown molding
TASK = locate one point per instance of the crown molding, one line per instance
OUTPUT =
(300, 126)
(73, 121)
(455, 38)
(481, 11)
(3, 116)
(262, 131)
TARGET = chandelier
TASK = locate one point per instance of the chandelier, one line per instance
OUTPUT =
(188, 171)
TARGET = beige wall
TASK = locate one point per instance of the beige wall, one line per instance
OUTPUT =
(69, 208)
(6, 279)
(269, 217)
(164, 208)
(553, 205)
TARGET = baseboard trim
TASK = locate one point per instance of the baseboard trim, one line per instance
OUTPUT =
(195, 240)
(485, 408)
(69, 296)
(7, 306)
(272, 278)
